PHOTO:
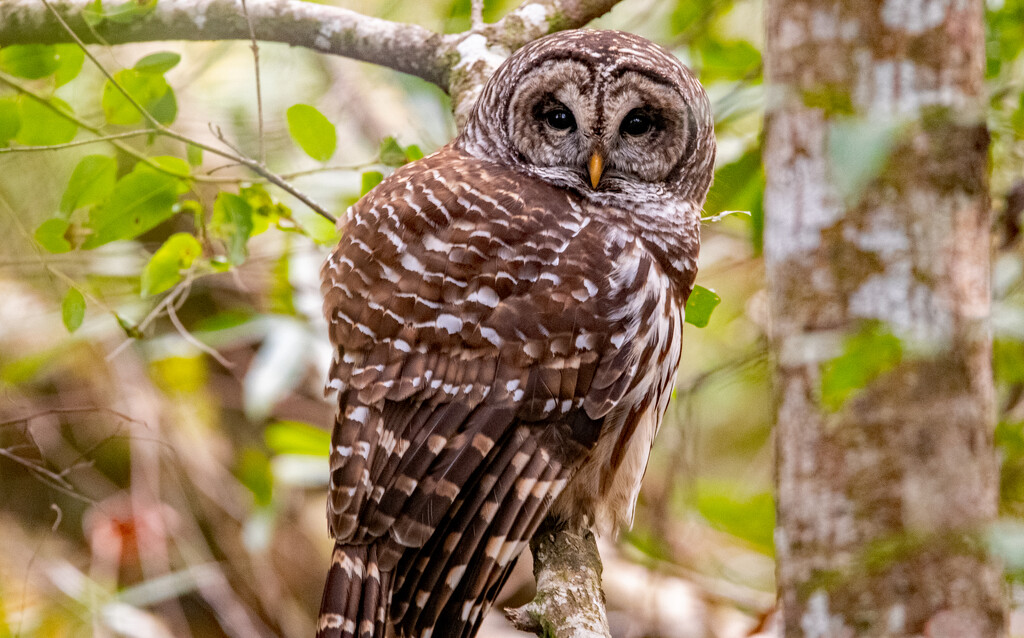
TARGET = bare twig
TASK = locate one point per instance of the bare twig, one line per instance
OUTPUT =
(273, 178)
(48, 477)
(81, 45)
(189, 337)
(57, 147)
(180, 290)
(259, 92)
(72, 410)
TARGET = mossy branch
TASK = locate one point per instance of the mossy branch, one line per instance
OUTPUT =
(569, 601)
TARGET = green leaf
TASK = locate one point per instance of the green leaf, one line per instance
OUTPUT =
(174, 165)
(32, 61)
(41, 126)
(265, 210)
(10, 120)
(748, 516)
(165, 110)
(312, 131)
(130, 329)
(391, 153)
(232, 222)
(70, 59)
(293, 437)
(413, 153)
(72, 309)
(867, 355)
(370, 179)
(147, 89)
(52, 235)
(194, 154)
(1008, 360)
(165, 266)
(158, 63)
(140, 200)
(93, 14)
(253, 471)
(733, 60)
(91, 182)
(700, 305)
(129, 11)
(282, 295)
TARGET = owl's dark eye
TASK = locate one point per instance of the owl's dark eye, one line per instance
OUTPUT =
(560, 119)
(636, 122)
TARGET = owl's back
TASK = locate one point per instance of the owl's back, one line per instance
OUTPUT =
(494, 334)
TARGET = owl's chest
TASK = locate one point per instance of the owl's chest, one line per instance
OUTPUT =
(605, 488)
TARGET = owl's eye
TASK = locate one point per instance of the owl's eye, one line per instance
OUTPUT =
(560, 119)
(636, 122)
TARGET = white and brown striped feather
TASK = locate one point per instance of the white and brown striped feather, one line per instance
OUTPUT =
(505, 349)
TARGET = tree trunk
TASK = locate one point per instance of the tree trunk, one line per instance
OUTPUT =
(877, 248)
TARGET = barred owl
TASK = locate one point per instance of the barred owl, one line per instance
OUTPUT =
(507, 316)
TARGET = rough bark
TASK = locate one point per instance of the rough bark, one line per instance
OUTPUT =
(569, 601)
(881, 500)
(459, 63)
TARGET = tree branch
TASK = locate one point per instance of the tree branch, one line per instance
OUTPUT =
(404, 47)
(569, 601)
(458, 63)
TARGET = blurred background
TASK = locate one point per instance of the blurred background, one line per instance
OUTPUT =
(163, 464)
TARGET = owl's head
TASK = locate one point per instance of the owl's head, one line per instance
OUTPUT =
(608, 114)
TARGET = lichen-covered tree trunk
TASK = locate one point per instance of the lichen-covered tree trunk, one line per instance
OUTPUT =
(877, 245)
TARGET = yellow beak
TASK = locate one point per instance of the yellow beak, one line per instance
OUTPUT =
(596, 167)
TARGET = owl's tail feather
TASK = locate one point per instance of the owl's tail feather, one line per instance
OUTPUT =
(356, 596)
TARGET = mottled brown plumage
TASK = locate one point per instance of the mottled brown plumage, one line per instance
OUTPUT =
(507, 332)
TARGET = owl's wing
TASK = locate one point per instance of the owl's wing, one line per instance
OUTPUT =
(484, 327)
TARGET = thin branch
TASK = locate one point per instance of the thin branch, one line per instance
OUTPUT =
(46, 476)
(24, 90)
(57, 147)
(81, 45)
(189, 337)
(251, 164)
(272, 177)
(327, 169)
(181, 289)
(259, 92)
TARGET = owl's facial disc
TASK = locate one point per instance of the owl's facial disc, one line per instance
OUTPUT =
(593, 130)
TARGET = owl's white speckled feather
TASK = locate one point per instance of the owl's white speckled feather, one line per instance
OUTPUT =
(507, 314)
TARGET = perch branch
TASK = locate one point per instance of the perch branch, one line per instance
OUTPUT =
(569, 601)
(459, 63)
(404, 47)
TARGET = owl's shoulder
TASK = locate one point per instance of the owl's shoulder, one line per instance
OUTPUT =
(452, 183)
